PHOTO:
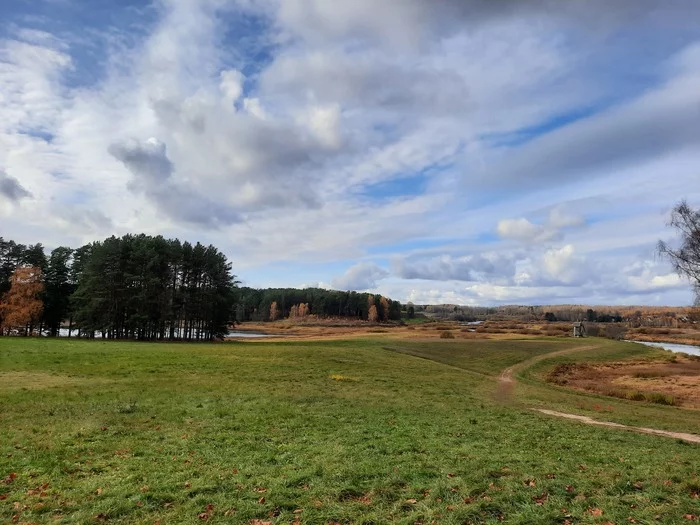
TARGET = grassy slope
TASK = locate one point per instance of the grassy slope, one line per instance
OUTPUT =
(143, 432)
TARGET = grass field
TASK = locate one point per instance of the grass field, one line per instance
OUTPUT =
(361, 431)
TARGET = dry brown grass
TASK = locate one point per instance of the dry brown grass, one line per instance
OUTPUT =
(673, 382)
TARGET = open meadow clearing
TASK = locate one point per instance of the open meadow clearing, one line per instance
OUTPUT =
(368, 430)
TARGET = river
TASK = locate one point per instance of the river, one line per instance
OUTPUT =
(673, 347)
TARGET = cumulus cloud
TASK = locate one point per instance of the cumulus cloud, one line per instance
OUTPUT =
(231, 85)
(473, 267)
(342, 129)
(363, 276)
(11, 189)
(153, 170)
(525, 231)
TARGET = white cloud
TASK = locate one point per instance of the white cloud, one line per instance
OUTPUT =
(363, 276)
(412, 128)
(525, 231)
(231, 85)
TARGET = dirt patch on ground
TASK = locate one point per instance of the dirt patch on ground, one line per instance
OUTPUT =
(674, 382)
(37, 380)
(691, 438)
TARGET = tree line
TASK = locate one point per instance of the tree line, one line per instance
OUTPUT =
(136, 287)
(151, 288)
(276, 303)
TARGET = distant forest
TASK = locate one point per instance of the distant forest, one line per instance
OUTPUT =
(151, 288)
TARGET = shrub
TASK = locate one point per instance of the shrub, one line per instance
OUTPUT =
(661, 399)
(615, 331)
(447, 335)
(634, 395)
(593, 330)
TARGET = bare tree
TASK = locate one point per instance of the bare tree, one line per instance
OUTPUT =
(686, 258)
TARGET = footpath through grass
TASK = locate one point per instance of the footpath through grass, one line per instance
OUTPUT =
(311, 432)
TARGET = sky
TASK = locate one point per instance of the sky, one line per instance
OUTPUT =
(452, 151)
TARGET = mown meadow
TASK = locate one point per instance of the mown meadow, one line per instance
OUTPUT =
(360, 431)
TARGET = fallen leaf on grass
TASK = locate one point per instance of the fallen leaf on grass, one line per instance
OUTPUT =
(260, 522)
(595, 512)
(569, 488)
(98, 491)
(690, 517)
(412, 501)
(9, 479)
(144, 488)
(529, 482)
(261, 500)
(541, 499)
(260, 490)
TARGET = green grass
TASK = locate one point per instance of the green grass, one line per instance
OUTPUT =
(483, 356)
(535, 392)
(138, 433)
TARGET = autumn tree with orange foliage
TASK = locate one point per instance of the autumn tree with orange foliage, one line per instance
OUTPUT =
(21, 306)
(384, 302)
(274, 312)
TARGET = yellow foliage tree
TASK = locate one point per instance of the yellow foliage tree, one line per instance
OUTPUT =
(383, 301)
(373, 315)
(21, 306)
(274, 313)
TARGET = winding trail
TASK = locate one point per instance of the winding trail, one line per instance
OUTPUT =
(691, 438)
(506, 381)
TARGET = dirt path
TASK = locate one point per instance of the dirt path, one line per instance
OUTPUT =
(506, 380)
(505, 389)
(691, 438)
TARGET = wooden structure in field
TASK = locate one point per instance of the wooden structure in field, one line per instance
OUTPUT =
(579, 329)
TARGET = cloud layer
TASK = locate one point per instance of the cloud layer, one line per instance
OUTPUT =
(460, 151)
